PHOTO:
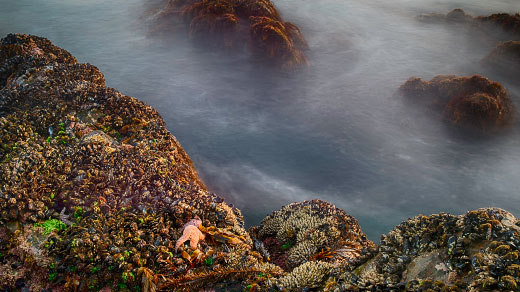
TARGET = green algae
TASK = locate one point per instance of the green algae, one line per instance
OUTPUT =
(51, 225)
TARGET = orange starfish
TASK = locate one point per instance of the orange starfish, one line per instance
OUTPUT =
(190, 231)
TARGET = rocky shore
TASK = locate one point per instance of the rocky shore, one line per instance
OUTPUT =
(96, 194)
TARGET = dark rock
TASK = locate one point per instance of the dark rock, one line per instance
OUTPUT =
(269, 36)
(471, 102)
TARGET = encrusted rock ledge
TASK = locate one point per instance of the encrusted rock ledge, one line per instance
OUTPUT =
(95, 194)
(94, 190)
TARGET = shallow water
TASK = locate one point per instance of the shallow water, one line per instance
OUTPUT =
(262, 138)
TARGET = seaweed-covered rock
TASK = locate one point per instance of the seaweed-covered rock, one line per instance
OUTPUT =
(279, 40)
(472, 102)
(108, 184)
(268, 35)
(308, 231)
(505, 58)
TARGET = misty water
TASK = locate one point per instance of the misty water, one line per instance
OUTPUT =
(262, 138)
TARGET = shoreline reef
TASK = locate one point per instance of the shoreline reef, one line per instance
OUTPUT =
(96, 195)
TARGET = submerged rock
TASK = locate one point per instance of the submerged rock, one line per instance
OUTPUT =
(509, 23)
(505, 59)
(455, 16)
(268, 35)
(471, 102)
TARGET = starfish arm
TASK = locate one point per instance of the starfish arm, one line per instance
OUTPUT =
(194, 240)
(181, 240)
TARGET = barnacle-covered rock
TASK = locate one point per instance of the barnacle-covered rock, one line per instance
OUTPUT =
(268, 35)
(310, 230)
(472, 102)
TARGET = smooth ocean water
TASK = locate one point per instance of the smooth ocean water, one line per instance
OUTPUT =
(263, 138)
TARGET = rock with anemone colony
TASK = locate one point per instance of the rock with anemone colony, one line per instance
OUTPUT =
(308, 240)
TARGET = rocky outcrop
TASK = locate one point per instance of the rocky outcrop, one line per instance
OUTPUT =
(268, 35)
(470, 102)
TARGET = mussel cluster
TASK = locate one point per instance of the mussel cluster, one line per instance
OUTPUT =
(477, 251)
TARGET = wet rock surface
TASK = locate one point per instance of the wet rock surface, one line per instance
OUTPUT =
(235, 22)
(475, 102)
(95, 194)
